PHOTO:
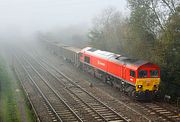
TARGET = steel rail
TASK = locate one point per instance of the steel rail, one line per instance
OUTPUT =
(54, 91)
(159, 111)
(60, 119)
(46, 100)
(104, 119)
(25, 90)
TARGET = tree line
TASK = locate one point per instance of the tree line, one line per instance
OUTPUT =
(151, 32)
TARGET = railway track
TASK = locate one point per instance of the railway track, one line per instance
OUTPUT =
(121, 107)
(163, 113)
(94, 107)
(39, 104)
(159, 112)
(154, 108)
(79, 97)
(27, 90)
(58, 108)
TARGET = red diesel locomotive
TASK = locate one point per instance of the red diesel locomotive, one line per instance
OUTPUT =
(137, 78)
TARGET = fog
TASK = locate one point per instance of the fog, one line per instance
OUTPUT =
(20, 19)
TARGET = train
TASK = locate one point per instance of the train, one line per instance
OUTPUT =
(137, 78)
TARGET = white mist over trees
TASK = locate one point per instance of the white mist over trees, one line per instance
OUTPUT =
(151, 32)
(74, 35)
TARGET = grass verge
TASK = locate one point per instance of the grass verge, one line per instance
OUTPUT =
(11, 97)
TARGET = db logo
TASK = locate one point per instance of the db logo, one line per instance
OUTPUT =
(101, 63)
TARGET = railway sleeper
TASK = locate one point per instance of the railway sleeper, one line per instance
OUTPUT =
(99, 106)
(111, 116)
(89, 100)
(156, 108)
(110, 119)
(175, 116)
(108, 113)
(62, 110)
(96, 117)
(54, 119)
(91, 113)
(95, 104)
(99, 120)
(58, 107)
(64, 115)
(161, 110)
(166, 112)
(101, 109)
(67, 117)
(116, 121)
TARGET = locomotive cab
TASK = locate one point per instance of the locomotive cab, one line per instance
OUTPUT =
(148, 80)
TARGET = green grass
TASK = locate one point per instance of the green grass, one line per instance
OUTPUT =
(9, 110)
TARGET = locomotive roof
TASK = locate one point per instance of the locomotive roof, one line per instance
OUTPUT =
(99, 53)
(131, 62)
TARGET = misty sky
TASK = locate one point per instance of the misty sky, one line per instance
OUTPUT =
(33, 15)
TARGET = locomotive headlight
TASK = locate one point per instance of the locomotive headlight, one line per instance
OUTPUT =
(155, 86)
(139, 86)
